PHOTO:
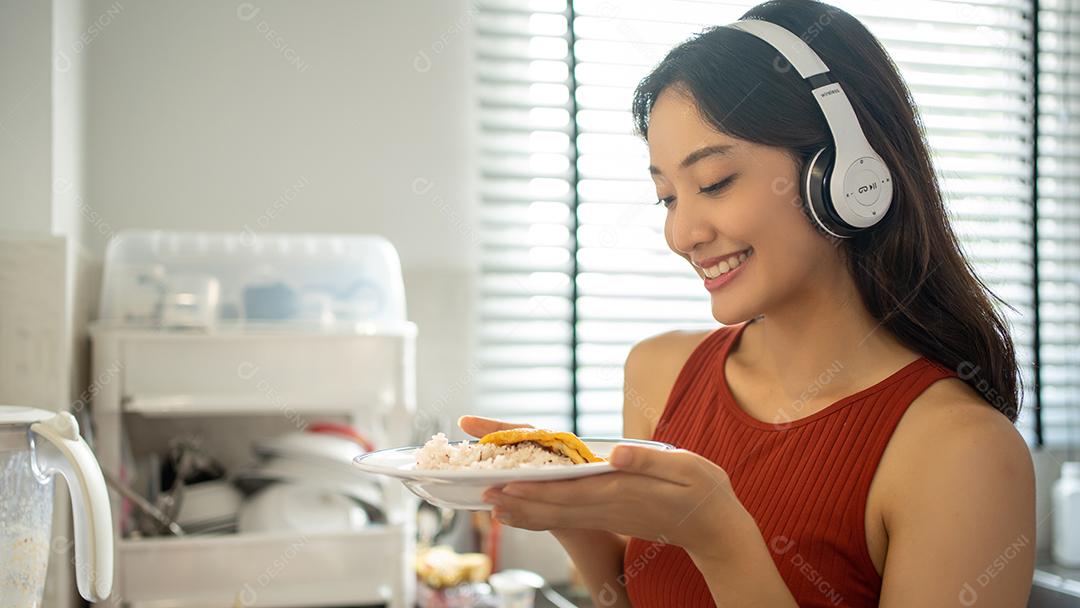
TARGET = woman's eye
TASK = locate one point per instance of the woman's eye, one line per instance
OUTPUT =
(719, 186)
(716, 188)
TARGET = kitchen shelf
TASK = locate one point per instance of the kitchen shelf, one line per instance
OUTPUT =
(156, 371)
(363, 374)
(266, 570)
(209, 405)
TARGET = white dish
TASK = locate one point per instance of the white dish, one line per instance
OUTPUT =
(463, 488)
(272, 470)
(208, 501)
(320, 448)
(297, 507)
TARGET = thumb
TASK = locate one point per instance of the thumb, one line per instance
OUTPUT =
(478, 426)
(673, 465)
(631, 457)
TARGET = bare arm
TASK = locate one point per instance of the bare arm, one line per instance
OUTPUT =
(746, 576)
(598, 556)
(962, 528)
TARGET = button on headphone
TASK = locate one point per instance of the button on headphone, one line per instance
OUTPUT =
(863, 183)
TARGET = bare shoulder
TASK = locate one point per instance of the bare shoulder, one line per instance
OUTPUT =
(651, 369)
(948, 427)
(951, 417)
(662, 346)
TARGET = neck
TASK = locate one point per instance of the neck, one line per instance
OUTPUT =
(823, 343)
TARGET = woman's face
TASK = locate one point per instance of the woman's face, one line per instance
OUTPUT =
(734, 206)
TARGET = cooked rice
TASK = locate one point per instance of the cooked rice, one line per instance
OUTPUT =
(439, 453)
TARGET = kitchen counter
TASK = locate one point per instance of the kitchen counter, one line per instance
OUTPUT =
(568, 599)
(1054, 586)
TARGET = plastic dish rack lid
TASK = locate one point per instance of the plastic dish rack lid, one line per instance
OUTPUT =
(205, 280)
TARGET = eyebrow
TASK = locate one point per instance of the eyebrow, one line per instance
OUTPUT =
(697, 155)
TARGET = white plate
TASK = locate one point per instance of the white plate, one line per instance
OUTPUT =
(272, 470)
(462, 488)
(299, 507)
(208, 501)
(323, 449)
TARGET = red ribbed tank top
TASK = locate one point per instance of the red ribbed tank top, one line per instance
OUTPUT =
(805, 481)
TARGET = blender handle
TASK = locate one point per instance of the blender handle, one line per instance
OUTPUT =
(65, 452)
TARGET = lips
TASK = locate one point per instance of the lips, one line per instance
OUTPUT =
(708, 262)
(719, 266)
(719, 281)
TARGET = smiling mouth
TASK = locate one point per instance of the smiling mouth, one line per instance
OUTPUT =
(727, 265)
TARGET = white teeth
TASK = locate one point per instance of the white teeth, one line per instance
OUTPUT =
(727, 265)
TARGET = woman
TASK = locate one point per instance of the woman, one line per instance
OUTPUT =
(847, 437)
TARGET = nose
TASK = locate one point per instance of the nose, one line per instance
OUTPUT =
(687, 227)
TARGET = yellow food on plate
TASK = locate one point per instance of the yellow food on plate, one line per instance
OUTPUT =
(563, 443)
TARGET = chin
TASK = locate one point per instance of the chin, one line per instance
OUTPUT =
(731, 312)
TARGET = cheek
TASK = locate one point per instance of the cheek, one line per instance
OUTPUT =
(765, 220)
(791, 244)
(785, 206)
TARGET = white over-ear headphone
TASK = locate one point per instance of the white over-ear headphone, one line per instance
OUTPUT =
(846, 186)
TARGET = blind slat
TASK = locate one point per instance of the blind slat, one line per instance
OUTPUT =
(1059, 222)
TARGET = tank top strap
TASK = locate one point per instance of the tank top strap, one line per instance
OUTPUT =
(889, 406)
(910, 387)
(695, 370)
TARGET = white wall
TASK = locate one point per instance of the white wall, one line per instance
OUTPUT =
(200, 122)
(25, 116)
(328, 116)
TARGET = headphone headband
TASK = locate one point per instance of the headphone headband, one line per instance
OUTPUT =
(857, 182)
(799, 54)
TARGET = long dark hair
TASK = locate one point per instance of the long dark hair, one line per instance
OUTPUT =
(909, 269)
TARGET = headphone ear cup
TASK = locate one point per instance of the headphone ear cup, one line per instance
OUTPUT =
(816, 194)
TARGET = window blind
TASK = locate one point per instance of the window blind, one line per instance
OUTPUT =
(575, 269)
(1059, 218)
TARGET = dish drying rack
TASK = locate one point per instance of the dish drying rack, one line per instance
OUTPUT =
(196, 349)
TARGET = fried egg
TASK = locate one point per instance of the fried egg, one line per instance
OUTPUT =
(566, 444)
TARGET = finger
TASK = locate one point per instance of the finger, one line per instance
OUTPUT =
(591, 490)
(529, 515)
(584, 490)
(478, 426)
(678, 466)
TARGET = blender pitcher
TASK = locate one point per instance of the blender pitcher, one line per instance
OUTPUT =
(35, 445)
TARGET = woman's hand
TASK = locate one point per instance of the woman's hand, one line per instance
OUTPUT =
(670, 496)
